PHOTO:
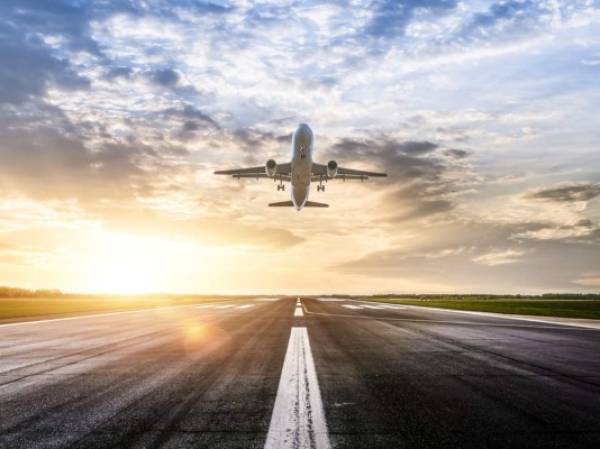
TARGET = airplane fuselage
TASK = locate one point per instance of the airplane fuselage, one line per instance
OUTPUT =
(301, 165)
(300, 171)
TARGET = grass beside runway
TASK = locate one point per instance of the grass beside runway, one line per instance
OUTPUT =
(555, 307)
(34, 307)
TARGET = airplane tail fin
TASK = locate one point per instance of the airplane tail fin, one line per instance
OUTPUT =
(315, 204)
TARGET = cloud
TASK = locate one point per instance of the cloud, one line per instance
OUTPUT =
(119, 72)
(494, 258)
(164, 77)
(481, 257)
(50, 162)
(194, 118)
(28, 68)
(390, 17)
(458, 154)
(567, 193)
(592, 281)
(418, 185)
(401, 158)
(416, 148)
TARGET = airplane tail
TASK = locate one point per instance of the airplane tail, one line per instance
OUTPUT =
(315, 204)
(290, 204)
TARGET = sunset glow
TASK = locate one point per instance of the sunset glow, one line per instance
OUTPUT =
(114, 116)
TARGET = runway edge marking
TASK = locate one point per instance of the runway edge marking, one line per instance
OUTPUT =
(298, 419)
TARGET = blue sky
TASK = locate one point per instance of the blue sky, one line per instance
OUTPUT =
(113, 115)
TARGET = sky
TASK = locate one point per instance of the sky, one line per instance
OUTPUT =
(485, 114)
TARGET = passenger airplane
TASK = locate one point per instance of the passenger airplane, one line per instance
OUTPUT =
(300, 172)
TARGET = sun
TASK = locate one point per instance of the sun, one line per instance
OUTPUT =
(129, 264)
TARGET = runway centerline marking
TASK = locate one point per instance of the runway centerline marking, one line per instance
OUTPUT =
(246, 306)
(298, 419)
(298, 311)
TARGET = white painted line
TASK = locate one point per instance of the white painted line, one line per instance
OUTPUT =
(298, 311)
(392, 306)
(227, 306)
(246, 306)
(558, 321)
(85, 317)
(373, 307)
(298, 419)
(350, 306)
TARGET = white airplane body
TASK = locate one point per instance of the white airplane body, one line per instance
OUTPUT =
(300, 172)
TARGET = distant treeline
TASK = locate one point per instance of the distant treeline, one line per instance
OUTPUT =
(10, 292)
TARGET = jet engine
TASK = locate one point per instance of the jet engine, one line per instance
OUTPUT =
(270, 168)
(332, 168)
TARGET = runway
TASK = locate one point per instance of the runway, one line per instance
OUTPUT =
(278, 374)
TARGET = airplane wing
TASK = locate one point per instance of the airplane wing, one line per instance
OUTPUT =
(283, 172)
(319, 172)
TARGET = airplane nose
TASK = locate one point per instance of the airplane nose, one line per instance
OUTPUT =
(303, 128)
(304, 135)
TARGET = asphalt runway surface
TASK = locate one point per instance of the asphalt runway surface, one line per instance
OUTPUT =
(321, 374)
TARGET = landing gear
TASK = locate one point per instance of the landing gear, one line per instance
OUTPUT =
(320, 187)
(281, 185)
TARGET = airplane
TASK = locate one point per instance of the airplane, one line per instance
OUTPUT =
(300, 172)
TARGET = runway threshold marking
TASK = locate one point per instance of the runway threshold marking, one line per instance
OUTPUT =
(298, 419)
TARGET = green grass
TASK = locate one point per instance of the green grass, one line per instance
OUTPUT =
(17, 308)
(569, 308)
